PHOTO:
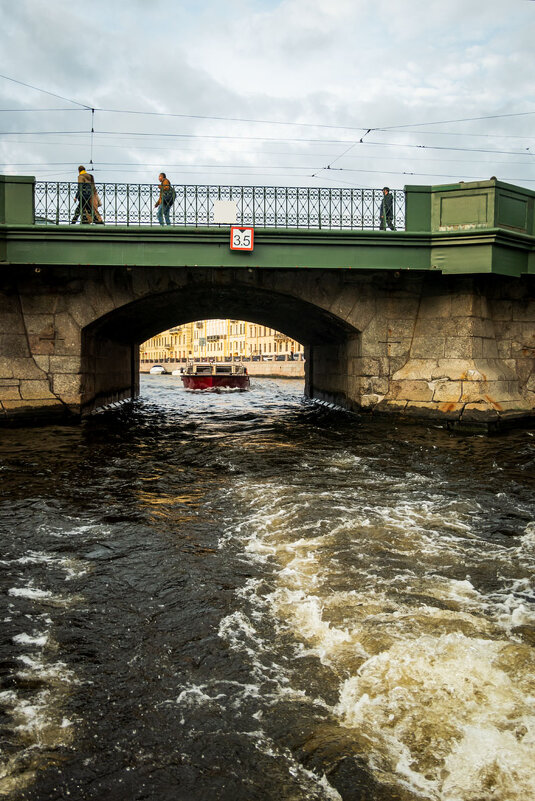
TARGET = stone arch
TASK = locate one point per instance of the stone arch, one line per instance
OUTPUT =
(109, 344)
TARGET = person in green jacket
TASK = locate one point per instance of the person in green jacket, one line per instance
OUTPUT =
(386, 213)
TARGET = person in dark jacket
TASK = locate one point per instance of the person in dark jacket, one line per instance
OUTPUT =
(84, 195)
(386, 213)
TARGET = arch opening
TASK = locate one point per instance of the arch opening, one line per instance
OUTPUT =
(110, 344)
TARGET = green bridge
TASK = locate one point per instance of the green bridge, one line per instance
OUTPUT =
(433, 319)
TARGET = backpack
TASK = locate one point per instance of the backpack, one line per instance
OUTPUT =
(169, 196)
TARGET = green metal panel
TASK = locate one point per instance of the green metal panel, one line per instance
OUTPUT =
(464, 210)
(462, 258)
(417, 208)
(512, 211)
(16, 199)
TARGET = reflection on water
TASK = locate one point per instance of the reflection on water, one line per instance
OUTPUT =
(249, 596)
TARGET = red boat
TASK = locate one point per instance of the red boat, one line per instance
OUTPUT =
(215, 376)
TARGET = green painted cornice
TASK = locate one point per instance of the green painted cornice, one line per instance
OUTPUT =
(482, 250)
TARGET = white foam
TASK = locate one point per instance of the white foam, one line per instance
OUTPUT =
(413, 695)
(486, 757)
(27, 639)
(29, 592)
(417, 704)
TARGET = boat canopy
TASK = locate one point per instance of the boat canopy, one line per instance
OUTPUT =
(215, 369)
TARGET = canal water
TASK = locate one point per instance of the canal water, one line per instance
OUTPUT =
(250, 596)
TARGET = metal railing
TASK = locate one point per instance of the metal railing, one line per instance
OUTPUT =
(351, 209)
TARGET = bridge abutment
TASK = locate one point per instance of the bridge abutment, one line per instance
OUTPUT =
(459, 349)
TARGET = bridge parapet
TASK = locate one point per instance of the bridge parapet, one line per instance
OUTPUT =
(322, 208)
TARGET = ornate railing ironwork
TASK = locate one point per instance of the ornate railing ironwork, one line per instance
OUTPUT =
(258, 206)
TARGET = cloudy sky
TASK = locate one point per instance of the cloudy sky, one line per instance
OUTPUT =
(278, 92)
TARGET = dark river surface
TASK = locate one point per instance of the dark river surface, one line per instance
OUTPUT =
(250, 596)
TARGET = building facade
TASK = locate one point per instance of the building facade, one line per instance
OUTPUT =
(220, 340)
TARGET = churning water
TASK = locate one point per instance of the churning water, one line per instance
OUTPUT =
(248, 596)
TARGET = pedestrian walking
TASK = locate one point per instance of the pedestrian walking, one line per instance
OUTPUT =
(84, 196)
(166, 199)
(386, 212)
(95, 203)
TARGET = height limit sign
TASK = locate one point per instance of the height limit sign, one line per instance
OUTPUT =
(241, 238)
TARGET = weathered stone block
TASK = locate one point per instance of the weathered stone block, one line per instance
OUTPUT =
(68, 334)
(27, 408)
(472, 327)
(9, 392)
(468, 305)
(399, 349)
(491, 370)
(490, 391)
(451, 369)
(399, 329)
(365, 366)
(20, 368)
(450, 410)
(522, 336)
(462, 348)
(390, 404)
(42, 362)
(400, 307)
(434, 307)
(416, 391)
(370, 385)
(411, 390)
(501, 310)
(40, 324)
(441, 327)
(524, 311)
(35, 304)
(65, 364)
(11, 324)
(370, 401)
(489, 349)
(40, 346)
(504, 349)
(416, 369)
(428, 348)
(447, 391)
(35, 389)
(13, 346)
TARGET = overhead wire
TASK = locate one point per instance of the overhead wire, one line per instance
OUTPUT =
(402, 128)
(249, 120)
(46, 92)
(220, 137)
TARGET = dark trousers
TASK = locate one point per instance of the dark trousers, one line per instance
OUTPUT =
(388, 220)
(84, 206)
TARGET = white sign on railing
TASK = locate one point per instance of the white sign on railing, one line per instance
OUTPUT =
(225, 212)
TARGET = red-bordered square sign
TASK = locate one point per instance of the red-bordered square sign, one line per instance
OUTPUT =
(241, 238)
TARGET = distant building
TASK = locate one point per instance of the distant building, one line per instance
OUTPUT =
(220, 340)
